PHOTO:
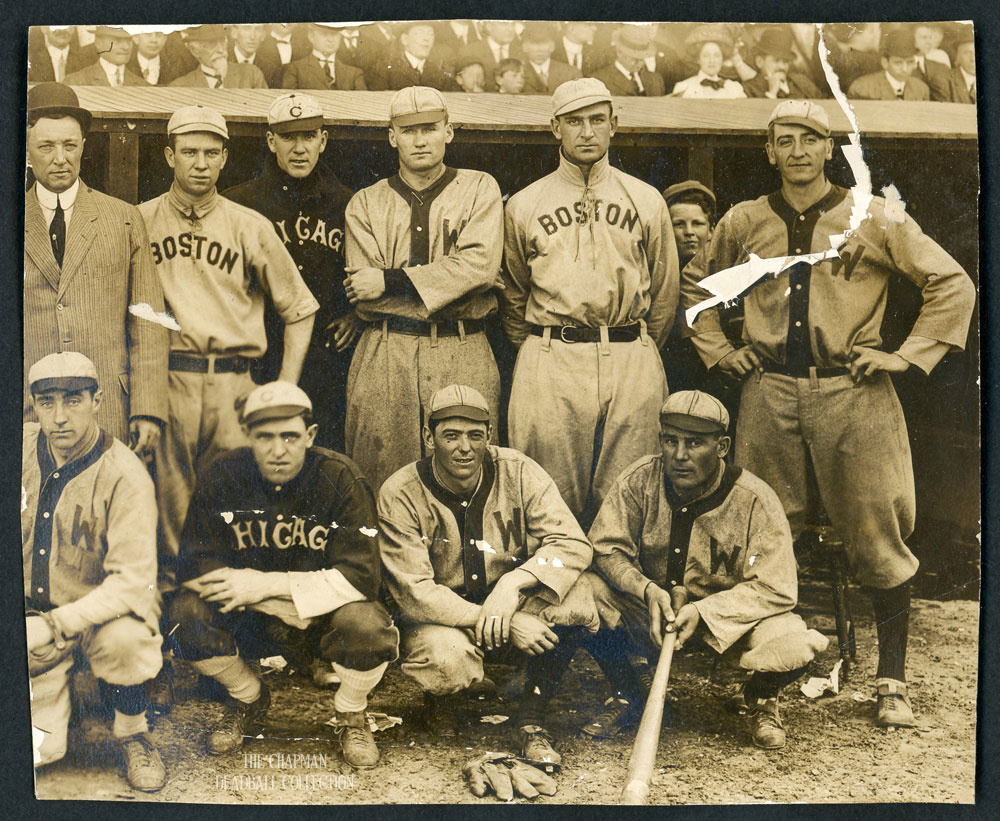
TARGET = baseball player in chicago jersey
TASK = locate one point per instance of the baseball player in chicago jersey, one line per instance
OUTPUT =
(423, 255)
(683, 518)
(304, 199)
(88, 542)
(468, 536)
(590, 291)
(217, 262)
(278, 555)
(818, 409)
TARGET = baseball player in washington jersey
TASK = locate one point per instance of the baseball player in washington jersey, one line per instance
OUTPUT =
(423, 255)
(304, 199)
(88, 541)
(685, 518)
(278, 555)
(217, 262)
(590, 291)
(818, 408)
(467, 536)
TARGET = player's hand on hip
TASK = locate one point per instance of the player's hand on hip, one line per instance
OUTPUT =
(532, 635)
(870, 361)
(364, 284)
(661, 614)
(144, 434)
(739, 363)
(686, 623)
(345, 330)
(38, 633)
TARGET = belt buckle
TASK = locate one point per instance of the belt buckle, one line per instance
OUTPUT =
(562, 334)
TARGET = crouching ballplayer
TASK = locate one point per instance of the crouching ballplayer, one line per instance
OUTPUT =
(468, 536)
(88, 537)
(278, 555)
(684, 518)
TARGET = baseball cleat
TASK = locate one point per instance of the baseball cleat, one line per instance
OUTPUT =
(144, 768)
(893, 708)
(766, 728)
(357, 744)
(240, 719)
(618, 714)
(536, 747)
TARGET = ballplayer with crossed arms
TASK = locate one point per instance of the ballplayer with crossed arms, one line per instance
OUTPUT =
(818, 408)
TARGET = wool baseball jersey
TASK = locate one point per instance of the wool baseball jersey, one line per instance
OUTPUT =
(218, 262)
(817, 315)
(444, 244)
(442, 554)
(88, 534)
(732, 548)
(588, 252)
(319, 527)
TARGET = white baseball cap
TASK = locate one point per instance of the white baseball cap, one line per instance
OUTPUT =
(192, 118)
(696, 411)
(576, 94)
(294, 112)
(275, 400)
(802, 112)
(67, 371)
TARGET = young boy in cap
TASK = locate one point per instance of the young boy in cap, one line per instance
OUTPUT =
(88, 541)
(819, 418)
(209, 46)
(305, 200)
(423, 255)
(218, 262)
(114, 47)
(684, 526)
(467, 535)
(896, 80)
(278, 555)
(322, 68)
(590, 292)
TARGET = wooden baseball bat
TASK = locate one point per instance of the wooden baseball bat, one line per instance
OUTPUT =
(647, 737)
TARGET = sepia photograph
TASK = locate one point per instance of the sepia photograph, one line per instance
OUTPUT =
(479, 411)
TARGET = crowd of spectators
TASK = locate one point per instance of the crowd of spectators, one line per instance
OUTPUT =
(924, 61)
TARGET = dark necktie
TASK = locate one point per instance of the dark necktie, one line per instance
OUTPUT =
(636, 87)
(214, 80)
(329, 72)
(716, 84)
(57, 233)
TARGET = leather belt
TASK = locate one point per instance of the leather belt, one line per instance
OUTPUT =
(420, 327)
(200, 364)
(576, 333)
(803, 372)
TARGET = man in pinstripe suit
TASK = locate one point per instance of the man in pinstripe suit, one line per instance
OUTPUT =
(86, 262)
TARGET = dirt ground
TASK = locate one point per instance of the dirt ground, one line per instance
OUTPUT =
(834, 753)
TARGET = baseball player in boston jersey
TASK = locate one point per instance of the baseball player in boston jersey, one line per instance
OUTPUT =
(818, 409)
(683, 518)
(304, 199)
(217, 262)
(88, 540)
(590, 291)
(423, 255)
(468, 536)
(278, 555)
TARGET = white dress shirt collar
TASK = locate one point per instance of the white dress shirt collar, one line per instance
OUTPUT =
(497, 49)
(574, 53)
(416, 62)
(897, 86)
(325, 58)
(240, 56)
(115, 74)
(461, 30)
(150, 68)
(47, 199)
(59, 57)
(542, 68)
(970, 79)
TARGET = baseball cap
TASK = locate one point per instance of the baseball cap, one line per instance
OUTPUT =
(459, 400)
(417, 104)
(212, 31)
(67, 371)
(695, 411)
(899, 43)
(688, 185)
(635, 38)
(576, 94)
(197, 118)
(801, 112)
(274, 400)
(294, 112)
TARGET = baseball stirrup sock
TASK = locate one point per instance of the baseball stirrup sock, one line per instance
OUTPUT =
(544, 673)
(608, 649)
(892, 622)
(233, 674)
(126, 725)
(355, 685)
(768, 684)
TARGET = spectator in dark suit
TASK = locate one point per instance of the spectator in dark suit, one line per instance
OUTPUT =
(962, 81)
(773, 58)
(374, 43)
(150, 60)
(323, 68)
(114, 47)
(853, 50)
(350, 41)
(896, 81)
(934, 71)
(542, 74)
(628, 76)
(284, 43)
(453, 36)
(500, 43)
(412, 62)
(576, 48)
(245, 41)
(54, 52)
(208, 44)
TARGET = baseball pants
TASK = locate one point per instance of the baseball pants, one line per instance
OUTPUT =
(585, 411)
(125, 651)
(202, 425)
(391, 381)
(776, 644)
(357, 636)
(844, 446)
